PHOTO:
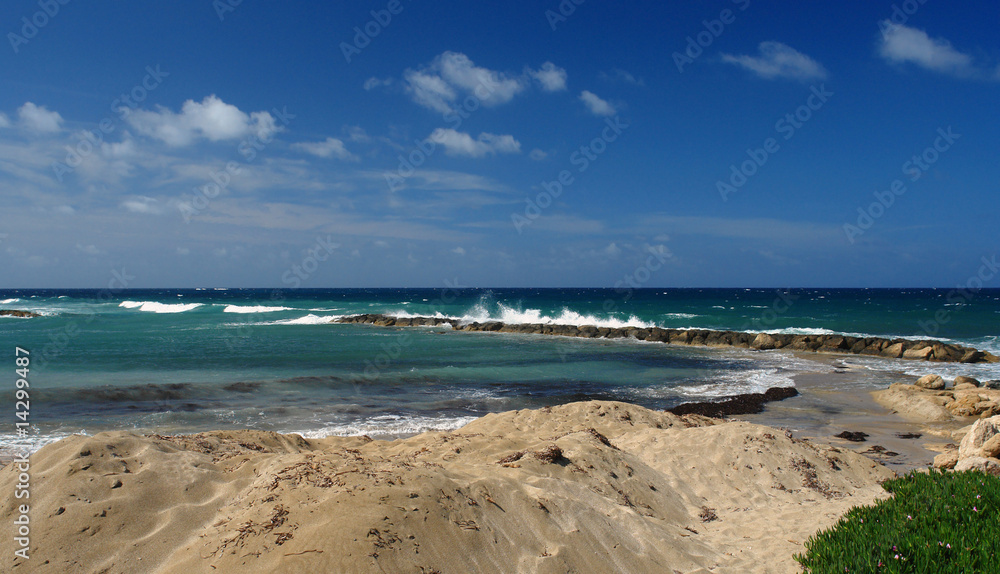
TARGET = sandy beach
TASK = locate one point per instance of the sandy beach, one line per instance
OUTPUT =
(592, 486)
(585, 487)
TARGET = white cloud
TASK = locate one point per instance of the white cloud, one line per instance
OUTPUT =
(358, 134)
(372, 83)
(462, 144)
(39, 118)
(776, 60)
(538, 155)
(212, 119)
(596, 105)
(430, 91)
(142, 204)
(4, 122)
(458, 251)
(332, 147)
(551, 77)
(903, 44)
(451, 74)
(183, 251)
(437, 180)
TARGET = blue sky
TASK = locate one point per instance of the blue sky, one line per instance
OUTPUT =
(725, 143)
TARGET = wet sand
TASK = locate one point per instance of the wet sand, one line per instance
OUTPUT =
(823, 409)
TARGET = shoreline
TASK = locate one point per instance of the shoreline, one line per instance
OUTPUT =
(537, 490)
(921, 350)
(542, 487)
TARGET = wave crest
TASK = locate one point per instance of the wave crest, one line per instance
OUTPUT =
(254, 309)
(157, 307)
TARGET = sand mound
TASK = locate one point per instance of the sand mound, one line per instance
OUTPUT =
(585, 487)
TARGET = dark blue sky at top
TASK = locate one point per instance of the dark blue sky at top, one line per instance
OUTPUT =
(647, 203)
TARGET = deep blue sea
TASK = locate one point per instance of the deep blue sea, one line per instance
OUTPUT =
(189, 360)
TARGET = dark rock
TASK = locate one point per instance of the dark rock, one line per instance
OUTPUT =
(680, 337)
(853, 436)
(859, 346)
(658, 335)
(16, 313)
(744, 404)
(972, 356)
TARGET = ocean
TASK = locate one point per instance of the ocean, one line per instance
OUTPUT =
(189, 360)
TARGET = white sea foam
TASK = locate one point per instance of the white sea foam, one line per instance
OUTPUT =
(254, 309)
(800, 331)
(9, 301)
(681, 315)
(157, 307)
(980, 371)
(389, 425)
(309, 319)
(512, 316)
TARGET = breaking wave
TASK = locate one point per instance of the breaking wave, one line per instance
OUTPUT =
(157, 307)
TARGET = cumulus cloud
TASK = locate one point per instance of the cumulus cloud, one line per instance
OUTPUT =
(4, 122)
(776, 60)
(596, 105)
(551, 77)
(901, 44)
(39, 118)
(462, 144)
(331, 147)
(211, 119)
(451, 75)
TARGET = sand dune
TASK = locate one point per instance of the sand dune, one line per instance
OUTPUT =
(584, 487)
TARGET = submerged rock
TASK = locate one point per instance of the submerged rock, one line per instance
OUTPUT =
(16, 313)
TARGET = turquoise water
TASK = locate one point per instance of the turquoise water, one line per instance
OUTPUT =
(191, 360)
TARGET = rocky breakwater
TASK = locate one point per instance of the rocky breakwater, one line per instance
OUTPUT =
(926, 350)
(16, 313)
